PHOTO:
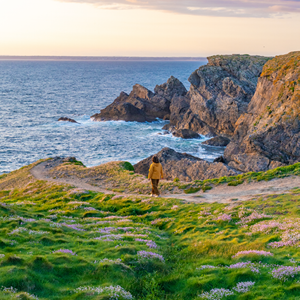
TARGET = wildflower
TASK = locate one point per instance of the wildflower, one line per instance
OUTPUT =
(73, 226)
(243, 287)
(281, 244)
(115, 292)
(65, 251)
(258, 252)
(224, 217)
(18, 230)
(90, 208)
(150, 255)
(106, 260)
(284, 272)
(253, 216)
(216, 294)
(110, 237)
(241, 265)
(149, 243)
(205, 267)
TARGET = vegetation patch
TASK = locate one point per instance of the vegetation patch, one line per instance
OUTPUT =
(58, 242)
(192, 190)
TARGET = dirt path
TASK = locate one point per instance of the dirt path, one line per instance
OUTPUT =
(222, 193)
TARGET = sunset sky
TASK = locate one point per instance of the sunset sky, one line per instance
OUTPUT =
(148, 27)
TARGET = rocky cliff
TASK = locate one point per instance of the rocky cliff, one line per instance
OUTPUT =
(220, 92)
(142, 105)
(268, 135)
(185, 167)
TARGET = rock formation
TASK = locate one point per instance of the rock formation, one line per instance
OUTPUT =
(65, 119)
(268, 135)
(142, 105)
(185, 167)
(218, 141)
(186, 134)
(220, 92)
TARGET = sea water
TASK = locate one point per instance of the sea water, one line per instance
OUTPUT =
(35, 94)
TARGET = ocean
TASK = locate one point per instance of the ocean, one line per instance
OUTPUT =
(35, 94)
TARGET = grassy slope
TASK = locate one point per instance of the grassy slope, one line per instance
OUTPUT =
(37, 219)
(120, 179)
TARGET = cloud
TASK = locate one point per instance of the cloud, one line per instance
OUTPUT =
(226, 8)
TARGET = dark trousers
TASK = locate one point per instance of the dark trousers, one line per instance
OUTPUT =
(155, 190)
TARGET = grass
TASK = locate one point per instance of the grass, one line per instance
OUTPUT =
(42, 225)
(120, 176)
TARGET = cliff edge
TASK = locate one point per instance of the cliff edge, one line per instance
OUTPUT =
(268, 134)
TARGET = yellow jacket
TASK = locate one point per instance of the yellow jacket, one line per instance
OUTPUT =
(156, 171)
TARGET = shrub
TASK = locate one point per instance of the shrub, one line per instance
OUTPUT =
(127, 166)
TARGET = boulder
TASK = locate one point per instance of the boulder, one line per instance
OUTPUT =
(185, 167)
(268, 135)
(65, 119)
(142, 105)
(185, 134)
(218, 141)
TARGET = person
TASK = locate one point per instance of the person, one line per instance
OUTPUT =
(155, 174)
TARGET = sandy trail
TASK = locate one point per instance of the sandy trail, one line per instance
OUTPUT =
(222, 193)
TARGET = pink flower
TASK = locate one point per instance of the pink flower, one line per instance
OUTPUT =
(258, 252)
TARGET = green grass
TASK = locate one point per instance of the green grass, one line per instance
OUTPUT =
(192, 190)
(105, 234)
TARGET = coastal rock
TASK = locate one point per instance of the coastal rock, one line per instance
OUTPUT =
(142, 105)
(173, 87)
(65, 119)
(218, 141)
(186, 134)
(268, 135)
(185, 167)
(220, 92)
(220, 159)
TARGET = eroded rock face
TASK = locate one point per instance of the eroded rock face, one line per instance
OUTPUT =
(142, 105)
(220, 92)
(185, 167)
(268, 135)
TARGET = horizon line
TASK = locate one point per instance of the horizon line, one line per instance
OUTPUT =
(98, 58)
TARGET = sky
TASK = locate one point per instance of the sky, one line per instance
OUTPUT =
(193, 28)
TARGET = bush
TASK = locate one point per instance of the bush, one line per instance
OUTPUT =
(127, 166)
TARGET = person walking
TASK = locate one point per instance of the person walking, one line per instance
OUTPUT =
(155, 174)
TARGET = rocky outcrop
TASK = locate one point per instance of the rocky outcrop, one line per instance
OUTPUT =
(64, 119)
(181, 133)
(185, 167)
(218, 141)
(220, 92)
(268, 135)
(186, 134)
(142, 105)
